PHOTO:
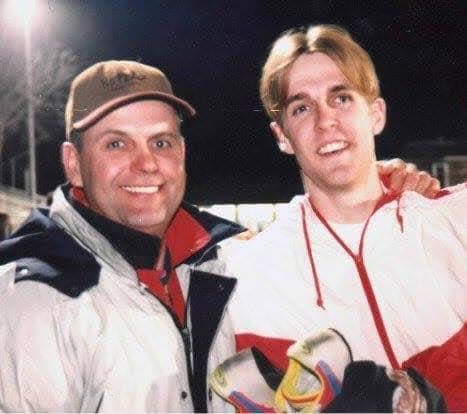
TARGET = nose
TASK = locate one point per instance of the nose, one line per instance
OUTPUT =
(326, 117)
(145, 161)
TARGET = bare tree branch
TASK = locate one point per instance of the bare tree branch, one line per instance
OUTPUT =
(53, 70)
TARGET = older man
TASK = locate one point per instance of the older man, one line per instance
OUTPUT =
(111, 302)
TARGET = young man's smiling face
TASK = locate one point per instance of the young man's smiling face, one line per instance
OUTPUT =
(327, 125)
(132, 165)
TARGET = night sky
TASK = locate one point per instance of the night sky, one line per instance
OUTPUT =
(213, 52)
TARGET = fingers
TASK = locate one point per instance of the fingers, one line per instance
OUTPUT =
(427, 185)
(422, 183)
(413, 179)
(419, 183)
(404, 178)
(401, 176)
(395, 173)
(387, 167)
(407, 397)
(433, 189)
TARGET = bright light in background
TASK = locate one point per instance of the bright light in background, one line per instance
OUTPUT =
(21, 11)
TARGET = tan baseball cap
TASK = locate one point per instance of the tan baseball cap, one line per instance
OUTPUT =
(105, 86)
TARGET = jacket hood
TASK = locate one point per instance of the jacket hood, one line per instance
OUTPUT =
(39, 237)
(200, 230)
(188, 238)
(54, 254)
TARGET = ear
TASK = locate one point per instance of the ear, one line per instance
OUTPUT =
(71, 164)
(378, 114)
(282, 141)
(183, 149)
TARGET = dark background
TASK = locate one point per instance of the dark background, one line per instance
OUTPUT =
(213, 53)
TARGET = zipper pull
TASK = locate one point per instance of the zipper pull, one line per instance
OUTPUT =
(186, 339)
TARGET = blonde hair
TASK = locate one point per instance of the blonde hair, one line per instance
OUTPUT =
(335, 42)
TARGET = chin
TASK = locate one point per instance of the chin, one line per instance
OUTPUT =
(337, 181)
(146, 223)
(342, 177)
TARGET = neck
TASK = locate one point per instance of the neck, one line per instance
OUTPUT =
(347, 205)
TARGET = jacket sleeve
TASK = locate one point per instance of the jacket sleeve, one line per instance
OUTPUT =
(444, 237)
(38, 368)
(453, 208)
(445, 364)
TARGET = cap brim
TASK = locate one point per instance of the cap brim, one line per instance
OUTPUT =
(109, 106)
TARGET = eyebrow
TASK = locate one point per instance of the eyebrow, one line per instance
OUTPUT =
(340, 87)
(293, 98)
(115, 131)
(123, 133)
(301, 95)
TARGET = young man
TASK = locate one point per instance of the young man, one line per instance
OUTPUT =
(386, 270)
(111, 302)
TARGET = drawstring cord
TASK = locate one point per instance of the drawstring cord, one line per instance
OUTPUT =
(399, 217)
(358, 259)
(319, 298)
(385, 199)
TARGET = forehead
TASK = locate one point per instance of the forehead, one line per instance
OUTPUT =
(136, 115)
(143, 110)
(316, 71)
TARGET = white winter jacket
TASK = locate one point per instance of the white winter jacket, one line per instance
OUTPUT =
(404, 292)
(78, 332)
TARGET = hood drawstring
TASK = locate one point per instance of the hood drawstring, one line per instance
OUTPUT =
(319, 298)
(387, 197)
(399, 217)
(362, 272)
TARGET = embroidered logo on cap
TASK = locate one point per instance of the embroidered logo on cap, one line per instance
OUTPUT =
(122, 81)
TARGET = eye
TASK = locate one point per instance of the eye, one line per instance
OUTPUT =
(115, 144)
(299, 109)
(162, 143)
(343, 98)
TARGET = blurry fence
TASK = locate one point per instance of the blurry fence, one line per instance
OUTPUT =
(450, 170)
(16, 205)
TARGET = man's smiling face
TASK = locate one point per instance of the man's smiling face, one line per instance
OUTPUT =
(132, 165)
(328, 125)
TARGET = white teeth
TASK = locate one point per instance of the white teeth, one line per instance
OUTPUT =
(333, 146)
(142, 190)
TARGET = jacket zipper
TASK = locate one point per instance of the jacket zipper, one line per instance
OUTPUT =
(216, 333)
(366, 283)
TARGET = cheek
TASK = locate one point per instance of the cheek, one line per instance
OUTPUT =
(181, 180)
(100, 172)
(361, 120)
(300, 128)
(300, 135)
(302, 144)
(173, 166)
